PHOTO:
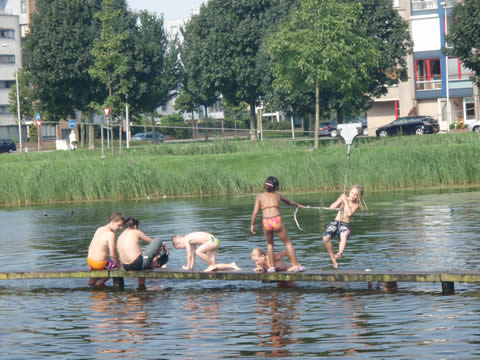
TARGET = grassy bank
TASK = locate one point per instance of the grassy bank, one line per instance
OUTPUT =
(238, 167)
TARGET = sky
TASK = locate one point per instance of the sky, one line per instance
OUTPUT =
(171, 9)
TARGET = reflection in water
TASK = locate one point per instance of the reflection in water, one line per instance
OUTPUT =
(276, 318)
(118, 320)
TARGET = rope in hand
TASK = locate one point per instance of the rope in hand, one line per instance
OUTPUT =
(310, 207)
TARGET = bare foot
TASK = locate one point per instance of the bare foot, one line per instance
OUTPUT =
(235, 267)
(334, 263)
(338, 255)
(185, 268)
(210, 268)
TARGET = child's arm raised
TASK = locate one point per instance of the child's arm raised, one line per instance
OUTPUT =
(256, 208)
(290, 202)
(336, 204)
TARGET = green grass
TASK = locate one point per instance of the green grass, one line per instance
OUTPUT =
(236, 167)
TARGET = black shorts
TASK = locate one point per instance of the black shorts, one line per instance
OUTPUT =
(336, 228)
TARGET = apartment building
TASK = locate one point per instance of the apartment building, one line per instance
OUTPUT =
(14, 22)
(439, 85)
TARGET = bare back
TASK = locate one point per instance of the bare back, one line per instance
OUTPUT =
(99, 246)
(128, 245)
(269, 203)
(198, 237)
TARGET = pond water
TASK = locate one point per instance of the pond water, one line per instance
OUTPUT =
(408, 231)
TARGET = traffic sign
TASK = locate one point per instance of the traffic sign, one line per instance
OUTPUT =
(71, 124)
(38, 123)
(106, 111)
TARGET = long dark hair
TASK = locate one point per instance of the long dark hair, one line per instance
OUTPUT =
(271, 184)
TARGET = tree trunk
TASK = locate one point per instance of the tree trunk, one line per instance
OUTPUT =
(206, 122)
(317, 112)
(253, 120)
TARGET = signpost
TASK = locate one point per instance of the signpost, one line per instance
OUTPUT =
(38, 123)
(107, 114)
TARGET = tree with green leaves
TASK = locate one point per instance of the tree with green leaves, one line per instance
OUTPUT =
(155, 65)
(323, 46)
(110, 66)
(465, 35)
(26, 97)
(237, 31)
(56, 56)
(199, 80)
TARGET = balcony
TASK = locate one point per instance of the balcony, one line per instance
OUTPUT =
(419, 5)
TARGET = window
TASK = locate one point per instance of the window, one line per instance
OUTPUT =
(23, 6)
(7, 59)
(456, 71)
(6, 84)
(469, 108)
(3, 109)
(7, 33)
(396, 3)
(418, 5)
(428, 74)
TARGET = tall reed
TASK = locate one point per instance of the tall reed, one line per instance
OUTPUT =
(238, 167)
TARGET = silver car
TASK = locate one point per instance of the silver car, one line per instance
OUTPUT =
(474, 126)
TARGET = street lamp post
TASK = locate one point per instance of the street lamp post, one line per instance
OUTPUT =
(444, 4)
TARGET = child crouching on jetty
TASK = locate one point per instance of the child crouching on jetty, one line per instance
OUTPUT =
(206, 250)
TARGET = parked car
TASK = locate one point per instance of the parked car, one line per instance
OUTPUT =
(327, 128)
(407, 125)
(474, 126)
(7, 145)
(148, 137)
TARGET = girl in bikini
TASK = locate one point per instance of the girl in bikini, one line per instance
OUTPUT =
(269, 203)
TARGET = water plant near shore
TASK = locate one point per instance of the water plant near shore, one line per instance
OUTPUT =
(238, 167)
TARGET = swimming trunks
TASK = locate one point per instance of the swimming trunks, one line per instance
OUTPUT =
(273, 223)
(144, 260)
(100, 265)
(137, 264)
(214, 240)
(336, 228)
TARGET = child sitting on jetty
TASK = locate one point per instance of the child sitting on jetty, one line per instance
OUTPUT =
(261, 260)
(207, 250)
(103, 244)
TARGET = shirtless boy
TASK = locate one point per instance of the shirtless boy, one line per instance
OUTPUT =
(131, 254)
(102, 244)
(207, 250)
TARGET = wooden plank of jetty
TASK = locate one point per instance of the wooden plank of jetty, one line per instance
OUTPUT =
(446, 278)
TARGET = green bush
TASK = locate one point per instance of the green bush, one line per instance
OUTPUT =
(179, 128)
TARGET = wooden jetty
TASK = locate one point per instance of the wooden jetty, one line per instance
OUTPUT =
(447, 279)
